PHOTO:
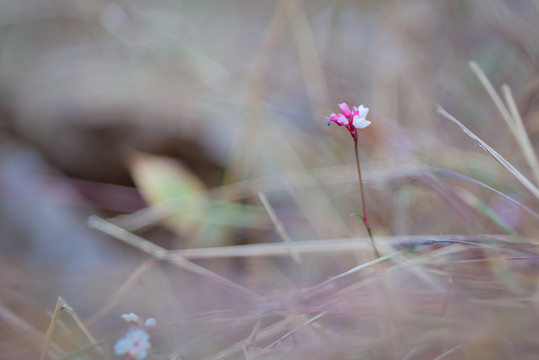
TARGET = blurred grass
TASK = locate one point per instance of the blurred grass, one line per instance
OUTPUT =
(237, 93)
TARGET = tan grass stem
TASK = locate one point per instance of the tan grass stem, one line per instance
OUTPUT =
(30, 333)
(318, 247)
(309, 61)
(48, 335)
(511, 117)
(261, 334)
(522, 135)
(282, 232)
(163, 254)
(279, 227)
(517, 174)
(84, 329)
(121, 292)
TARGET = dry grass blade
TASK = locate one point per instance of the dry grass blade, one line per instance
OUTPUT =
(522, 135)
(84, 329)
(517, 174)
(279, 228)
(449, 173)
(261, 335)
(50, 330)
(316, 247)
(252, 338)
(511, 117)
(410, 354)
(163, 254)
(450, 197)
(30, 333)
(121, 292)
(254, 100)
(338, 246)
(293, 331)
(359, 268)
(310, 65)
(487, 212)
(447, 353)
(497, 100)
(249, 347)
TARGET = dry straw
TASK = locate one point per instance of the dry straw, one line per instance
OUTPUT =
(517, 174)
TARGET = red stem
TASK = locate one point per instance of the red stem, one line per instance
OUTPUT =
(364, 207)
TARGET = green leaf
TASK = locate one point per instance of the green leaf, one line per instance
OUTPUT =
(160, 179)
(359, 215)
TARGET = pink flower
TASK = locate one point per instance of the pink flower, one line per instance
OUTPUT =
(352, 120)
(333, 117)
(345, 110)
(342, 120)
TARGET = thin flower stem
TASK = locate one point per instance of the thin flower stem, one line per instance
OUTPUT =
(364, 207)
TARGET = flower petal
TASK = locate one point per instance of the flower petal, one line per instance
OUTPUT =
(150, 322)
(360, 122)
(345, 110)
(341, 120)
(362, 111)
(131, 317)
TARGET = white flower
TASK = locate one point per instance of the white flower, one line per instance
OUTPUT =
(360, 117)
(150, 322)
(135, 344)
(131, 317)
(360, 122)
(362, 111)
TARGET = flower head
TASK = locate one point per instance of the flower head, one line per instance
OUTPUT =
(351, 119)
(136, 342)
(134, 345)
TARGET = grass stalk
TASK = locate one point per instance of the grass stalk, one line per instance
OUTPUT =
(282, 232)
(48, 335)
(121, 292)
(84, 329)
(163, 254)
(511, 117)
(521, 134)
(517, 174)
(293, 331)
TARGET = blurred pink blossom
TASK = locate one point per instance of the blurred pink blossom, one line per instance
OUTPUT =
(345, 110)
(351, 119)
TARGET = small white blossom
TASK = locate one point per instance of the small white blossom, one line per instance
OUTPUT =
(360, 122)
(131, 317)
(150, 322)
(362, 111)
(135, 344)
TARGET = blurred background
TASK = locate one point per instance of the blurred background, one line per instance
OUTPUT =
(109, 107)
